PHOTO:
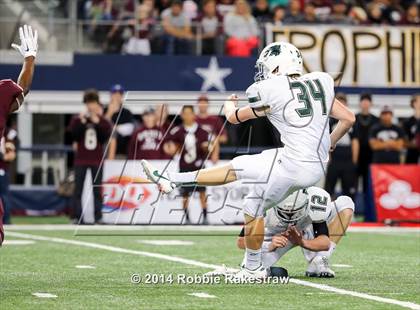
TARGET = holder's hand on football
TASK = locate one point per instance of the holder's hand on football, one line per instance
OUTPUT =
(294, 236)
(28, 42)
(278, 241)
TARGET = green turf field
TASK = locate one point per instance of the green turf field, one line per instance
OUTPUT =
(382, 264)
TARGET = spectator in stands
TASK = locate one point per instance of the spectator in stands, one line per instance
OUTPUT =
(364, 122)
(225, 6)
(89, 130)
(192, 141)
(339, 13)
(359, 15)
(261, 11)
(123, 121)
(241, 30)
(212, 124)
(177, 28)
(210, 27)
(411, 128)
(309, 14)
(386, 139)
(190, 9)
(343, 161)
(375, 13)
(162, 5)
(152, 7)
(279, 14)
(140, 32)
(294, 12)
(322, 9)
(7, 156)
(275, 3)
(412, 16)
(145, 141)
(99, 11)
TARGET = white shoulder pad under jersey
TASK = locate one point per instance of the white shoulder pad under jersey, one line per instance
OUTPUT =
(269, 93)
(319, 207)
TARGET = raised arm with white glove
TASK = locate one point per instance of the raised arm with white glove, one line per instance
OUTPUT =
(28, 42)
(28, 48)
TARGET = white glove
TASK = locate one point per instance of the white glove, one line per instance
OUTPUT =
(28, 42)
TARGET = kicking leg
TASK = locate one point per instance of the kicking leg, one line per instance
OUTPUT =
(254, 237)
(205, 177)
(209, 176)
(250, 167)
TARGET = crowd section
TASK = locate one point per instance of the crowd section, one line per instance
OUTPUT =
(231, 27)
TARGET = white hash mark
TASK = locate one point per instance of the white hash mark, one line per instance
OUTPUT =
(44, 295)
(202, 295)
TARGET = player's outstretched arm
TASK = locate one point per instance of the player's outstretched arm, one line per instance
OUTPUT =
(346, 119)
(235, 115)
(28, 48)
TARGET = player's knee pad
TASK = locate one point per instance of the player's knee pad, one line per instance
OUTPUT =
(344, 202)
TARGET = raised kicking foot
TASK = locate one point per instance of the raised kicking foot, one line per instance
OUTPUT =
(162, 180)
(319, 267)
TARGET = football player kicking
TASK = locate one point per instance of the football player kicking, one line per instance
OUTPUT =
(309, 219)
(13, 94)
(298, 106)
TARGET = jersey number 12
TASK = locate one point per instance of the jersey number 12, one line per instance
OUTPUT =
(317, 94)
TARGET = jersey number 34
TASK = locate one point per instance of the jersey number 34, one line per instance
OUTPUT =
(316, 91)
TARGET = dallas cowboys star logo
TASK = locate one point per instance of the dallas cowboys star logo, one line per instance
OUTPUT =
(213, 76)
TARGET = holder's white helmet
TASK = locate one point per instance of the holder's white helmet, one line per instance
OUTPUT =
(293, 208)
(278, 58)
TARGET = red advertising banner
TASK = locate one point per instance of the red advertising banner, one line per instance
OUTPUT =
(396, 190)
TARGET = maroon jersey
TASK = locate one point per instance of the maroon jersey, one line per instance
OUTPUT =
(191, 141)
(90, 138)
(212, 124)
(9, 90)
(145, 144)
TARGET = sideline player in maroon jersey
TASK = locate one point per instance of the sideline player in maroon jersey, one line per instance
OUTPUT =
(213, 124)
(90, 131)
(145, 141)
(13, 94)
(193, 144)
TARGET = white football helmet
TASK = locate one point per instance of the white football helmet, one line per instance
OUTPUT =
(293, 208)
(278, 58)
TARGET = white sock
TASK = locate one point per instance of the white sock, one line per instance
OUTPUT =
(183, 178)
(253, 259)
(329, 252)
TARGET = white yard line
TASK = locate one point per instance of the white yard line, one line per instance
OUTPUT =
(202, 295)
(201, 228)
(342, 265)
(44, 295)
(166, 242)
(17, 242)
(405, 304)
